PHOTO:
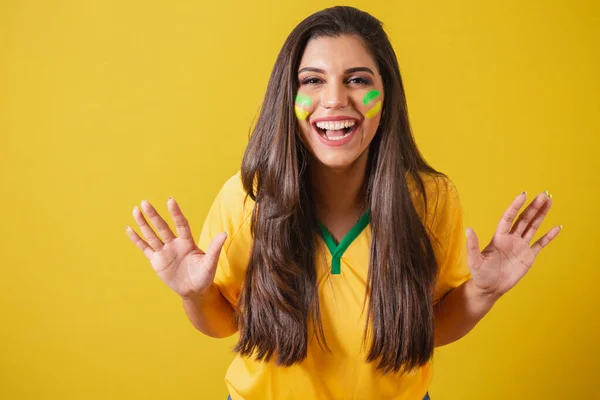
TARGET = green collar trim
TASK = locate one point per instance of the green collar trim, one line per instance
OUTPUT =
(337, 250)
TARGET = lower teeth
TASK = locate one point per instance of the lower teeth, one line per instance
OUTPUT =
(336, 137)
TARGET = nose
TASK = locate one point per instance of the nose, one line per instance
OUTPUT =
(334, 95)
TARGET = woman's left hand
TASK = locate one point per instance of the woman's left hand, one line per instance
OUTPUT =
(509, 256)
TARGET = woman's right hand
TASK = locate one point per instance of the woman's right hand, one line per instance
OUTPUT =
(177, 260)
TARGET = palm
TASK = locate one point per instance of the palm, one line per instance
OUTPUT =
(509, 256)
(179, 265)
(179, 262)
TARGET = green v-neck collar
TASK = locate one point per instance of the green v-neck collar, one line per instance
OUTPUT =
(337, 250)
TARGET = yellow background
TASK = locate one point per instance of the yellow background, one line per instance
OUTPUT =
(106, 103)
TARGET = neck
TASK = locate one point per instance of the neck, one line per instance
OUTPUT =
(339, 191)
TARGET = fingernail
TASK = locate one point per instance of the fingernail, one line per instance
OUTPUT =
(545, 191)
(524, 192)
(550, 195)
(560, 226)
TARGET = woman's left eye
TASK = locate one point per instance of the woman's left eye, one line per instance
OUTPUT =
(359, 80)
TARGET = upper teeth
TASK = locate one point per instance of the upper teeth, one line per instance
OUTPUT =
(335, 125)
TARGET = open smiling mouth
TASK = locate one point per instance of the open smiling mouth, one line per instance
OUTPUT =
(335, 130)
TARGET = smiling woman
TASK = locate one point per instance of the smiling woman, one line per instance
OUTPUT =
(337, 74)
(335, 211)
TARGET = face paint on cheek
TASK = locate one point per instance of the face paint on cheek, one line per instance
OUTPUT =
(374, 110)
(369, 97)
(302, 101)
(300, 113)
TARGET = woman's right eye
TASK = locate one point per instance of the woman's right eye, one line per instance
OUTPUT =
(310, 81)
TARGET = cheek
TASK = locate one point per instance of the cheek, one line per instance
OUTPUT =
(374, 110)
(371, 104)
(304, 106)
(369, 129)
(301, 113)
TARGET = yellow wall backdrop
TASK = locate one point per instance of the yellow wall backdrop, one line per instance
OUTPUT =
(106, 103)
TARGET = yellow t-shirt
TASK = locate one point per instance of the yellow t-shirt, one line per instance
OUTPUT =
(342, 373)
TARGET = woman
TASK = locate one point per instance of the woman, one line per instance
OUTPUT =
(337, 251)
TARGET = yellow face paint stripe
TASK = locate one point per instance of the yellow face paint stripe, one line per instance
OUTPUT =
(374, 110)
(301, 114)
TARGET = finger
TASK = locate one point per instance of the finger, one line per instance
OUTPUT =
(161, 226)
(509, 215)
(181, 223)
(214, 250)
(146, 229)
(139, 242)
(544, 240)
(537, 220)
(473, 253)
(529, 214)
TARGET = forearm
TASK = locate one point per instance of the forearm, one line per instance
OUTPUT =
(211, 313)
(459, 311)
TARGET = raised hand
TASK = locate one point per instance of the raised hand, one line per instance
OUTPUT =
(177, 260)
(508, 257)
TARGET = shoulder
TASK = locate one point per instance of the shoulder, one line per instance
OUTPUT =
(442, 199)
(445, 226)
(434, 183)
(233, 199)
(232, 188)
(230, 212)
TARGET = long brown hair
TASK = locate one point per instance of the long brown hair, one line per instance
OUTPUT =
(279, 299)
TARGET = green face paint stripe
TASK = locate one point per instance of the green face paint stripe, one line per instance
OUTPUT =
(369, 97)
(303, 100)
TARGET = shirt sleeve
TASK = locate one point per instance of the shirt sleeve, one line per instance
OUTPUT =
(450, 251)
(229, 213)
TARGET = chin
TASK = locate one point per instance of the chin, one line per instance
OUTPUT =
(336, 161)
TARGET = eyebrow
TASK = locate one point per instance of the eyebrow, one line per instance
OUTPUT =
(348, 71)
